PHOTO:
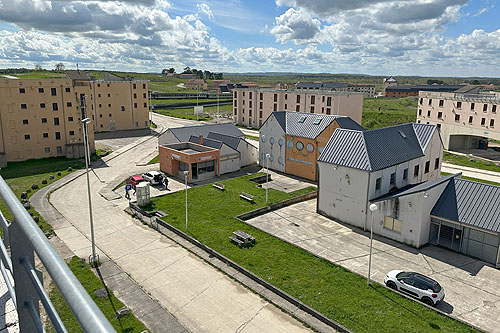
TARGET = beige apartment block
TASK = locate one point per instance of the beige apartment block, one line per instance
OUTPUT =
(252, 106)
(466, 121)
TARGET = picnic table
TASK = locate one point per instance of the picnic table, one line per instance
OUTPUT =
(242, 238)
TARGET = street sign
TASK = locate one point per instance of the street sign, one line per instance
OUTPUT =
(128, 187)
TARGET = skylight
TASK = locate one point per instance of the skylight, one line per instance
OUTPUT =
(317, 121)
(302, 119)
(402, 134)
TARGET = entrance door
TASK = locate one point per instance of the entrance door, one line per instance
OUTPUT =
(112, 126)
(194, 170)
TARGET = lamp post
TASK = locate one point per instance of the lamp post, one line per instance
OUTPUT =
(373, 208)
(267, 175)
(186, 173)
(85, 122)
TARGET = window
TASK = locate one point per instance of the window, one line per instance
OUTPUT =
(310, 148)
(260, 105)
(44, 120)
(59, 150)
(100, 116)
(297, 108)
(109, 105)
(45, 135)
(485, 107)
(54, 107)
(47, 149)
(483, 121)
(260, 97)
(53, 91)
(135, 105)
(457, 117)
(249, 113)
(275, 98)
(472, 105)
(393, 224)
(122, 107)
(427, 166)
(471, 118)
(27, 137)
(100, 105)
(69, 104)
(144, 95)
(286, 96)
(110, 115)
(459, 105)
(436, 163)
(286, 106)
(71, 132)
(313, 99)
(302, 119)
(135, 95)
(329, 101)
(68, 90)
(24, 106)
(312, 109)
(56, 121)
(494, 109)
(419, 112)
(98, 95)
(134, 86)
(492, 122)
(317, 121)
(22, 90)
(42, 105)
(421, 100)
(25, 122)
(328, 111)
(298, 98)
(416, 170)
(378, 183)
(441, 103)
(260, 114)
(58, 135)
(40, 90)
(249, 104)
(145, 105)
(299, 145)
(428, 113)
(393, 179)
(430, 101)
(405, 174)
(440, 115)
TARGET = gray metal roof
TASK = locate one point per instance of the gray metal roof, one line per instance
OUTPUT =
(415, 188)
(424, 134)
(472, 203)
(206, 142)
(78, 75)
(375, 149)
(231, 141)
(426, 87)
(184, 133)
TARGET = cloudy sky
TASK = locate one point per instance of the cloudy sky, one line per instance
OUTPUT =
(405, 37)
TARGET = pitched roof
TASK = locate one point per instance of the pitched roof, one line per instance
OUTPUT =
(206, 142)
(426, 87)
(184, 133)
(78, 75)
(376, 149)
(231, 141)
(471, 203)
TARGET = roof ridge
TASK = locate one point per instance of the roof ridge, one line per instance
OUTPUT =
(366, 151)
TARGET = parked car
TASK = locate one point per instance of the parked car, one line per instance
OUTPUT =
(153, 177)
(416, 285)
(134, 180)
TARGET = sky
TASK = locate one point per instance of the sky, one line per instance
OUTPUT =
(377, 37)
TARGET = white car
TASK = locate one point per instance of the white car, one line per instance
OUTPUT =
(416, 285)
(153, 177)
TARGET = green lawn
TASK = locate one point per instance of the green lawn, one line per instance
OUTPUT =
(108, 306)
(330, 289)
(469, 162)
(21, 175)
(473, 179)
(393, 111)
(156, 159)
(40, 75)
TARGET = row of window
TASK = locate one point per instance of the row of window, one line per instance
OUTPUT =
(416, 171)
(275, 98)
(134, 85)
(457, 118)
(46, 135)
(53, 91)
(459, 105)
(55, 106)
(135, 95)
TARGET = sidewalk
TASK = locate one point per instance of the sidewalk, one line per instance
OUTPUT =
(471, 172)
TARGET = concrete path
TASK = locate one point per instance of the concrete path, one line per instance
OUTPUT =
(470, 285)
(200, 297)
(472, 172)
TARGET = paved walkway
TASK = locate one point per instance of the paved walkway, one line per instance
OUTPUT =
(201, 298)
(472, 172)
(471, 286)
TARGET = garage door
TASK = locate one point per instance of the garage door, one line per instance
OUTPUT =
(481, 245)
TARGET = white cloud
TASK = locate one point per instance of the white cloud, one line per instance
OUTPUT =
(296, 25)
(205, 9)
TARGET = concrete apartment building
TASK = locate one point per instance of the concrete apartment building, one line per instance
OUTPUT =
(196, 84)
(466, 121)
(42, 117)
(252, 106)
(368, 90)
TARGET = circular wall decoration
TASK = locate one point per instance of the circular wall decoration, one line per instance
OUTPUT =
(263, 138)
(299, 145)
(271, 140)
(281, 142)
(262, 156)
(271, 158)
(310, 148)
(289, 143)
(280, 160)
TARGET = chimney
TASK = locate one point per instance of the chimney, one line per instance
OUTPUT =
(200, 139)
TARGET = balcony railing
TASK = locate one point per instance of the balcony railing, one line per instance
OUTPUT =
(22, 238)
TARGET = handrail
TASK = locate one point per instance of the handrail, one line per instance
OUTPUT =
(87, 313)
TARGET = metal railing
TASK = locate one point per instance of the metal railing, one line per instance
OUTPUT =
(23, 238)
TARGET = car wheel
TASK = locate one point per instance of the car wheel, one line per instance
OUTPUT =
(391, 285)
(428, 301)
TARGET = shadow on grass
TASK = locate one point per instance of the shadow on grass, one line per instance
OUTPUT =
(110, 299)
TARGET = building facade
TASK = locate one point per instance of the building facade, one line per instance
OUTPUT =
(196, 84)
(294, 141)
(252, 106)
(466, 121)
(368, 90)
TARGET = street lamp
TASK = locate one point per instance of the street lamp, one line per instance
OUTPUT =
(267, 174)
(373, 208)
(93, 260)
(186, 173)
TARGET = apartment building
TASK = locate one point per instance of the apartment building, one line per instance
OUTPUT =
(368, 90)
(42, 117)
(252, 106)
(466, 121)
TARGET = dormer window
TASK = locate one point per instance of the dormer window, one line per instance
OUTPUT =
(317, 121)
(302, 119)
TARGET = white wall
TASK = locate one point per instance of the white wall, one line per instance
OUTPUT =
(272, 129)
(434, 150)
(229, 160)
(249, 154)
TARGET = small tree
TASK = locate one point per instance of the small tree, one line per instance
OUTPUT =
(59, 67)
(187, 70)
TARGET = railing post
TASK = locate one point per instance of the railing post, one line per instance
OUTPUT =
(20, 247)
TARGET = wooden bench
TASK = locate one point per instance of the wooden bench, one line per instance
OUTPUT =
(219, 186)
(246, 196)
(243, 236)
(236, 241)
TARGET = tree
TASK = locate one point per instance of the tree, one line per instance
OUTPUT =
(169, 70)
(218, 76)
(432, 81)
(59, 67)
(38, 68)
(476, 82)
(187, 70)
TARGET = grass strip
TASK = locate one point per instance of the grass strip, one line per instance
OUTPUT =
(469, 162)
(339, 294)
(473, 179)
